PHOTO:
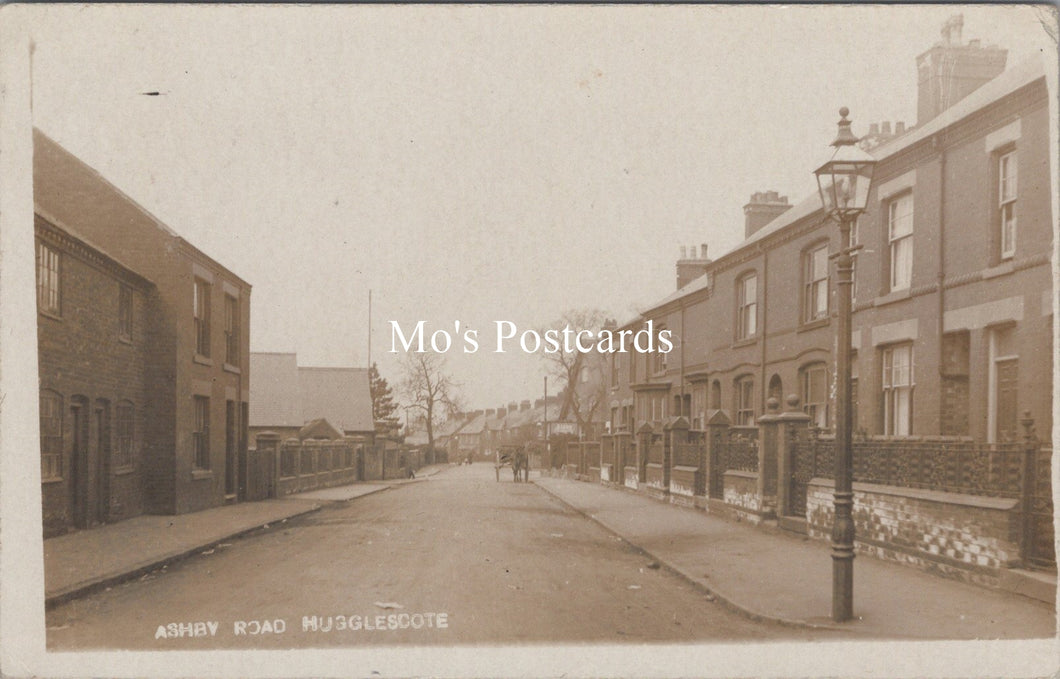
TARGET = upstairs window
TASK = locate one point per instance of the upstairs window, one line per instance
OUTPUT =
(658, 358)
(201, 311)
(815, 283)
(231, 330)
(900, 234)
(48, 298)
(747, 306)
(1006, 196)
(125, 313)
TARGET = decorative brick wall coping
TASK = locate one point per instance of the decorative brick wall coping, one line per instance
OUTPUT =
(942, 497)
(742, 474)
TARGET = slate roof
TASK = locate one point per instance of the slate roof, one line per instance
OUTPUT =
(282, 394)
(1004, 84)
(67, 191)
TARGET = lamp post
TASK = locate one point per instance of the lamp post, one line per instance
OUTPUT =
(844, 183)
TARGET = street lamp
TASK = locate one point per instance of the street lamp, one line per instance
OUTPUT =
(844, 183)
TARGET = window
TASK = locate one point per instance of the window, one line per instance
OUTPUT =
(201, 310)
(123, 454)
(745, 401)
(900, 234)
(699, 407)
(614, 370)
(201, 434)
(658, 358)
(48, 298)
(747, 306)
(815, 283)
(815, 394)
(125, 312)
(1006, 196)
(715, 395)
(231, 330)
(633, 366)
(51, 435)
(897, 390)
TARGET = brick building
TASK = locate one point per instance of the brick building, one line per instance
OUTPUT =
(952, 313)
(193, 323)
(92, 338)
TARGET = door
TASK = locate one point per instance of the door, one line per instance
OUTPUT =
(1007, 402)
(79, 462)
(101, 500)
(231, 454)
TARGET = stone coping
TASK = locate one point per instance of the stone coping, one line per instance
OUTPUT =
(939, 496)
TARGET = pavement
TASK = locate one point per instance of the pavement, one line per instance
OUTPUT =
(785, 578)
(85, 561)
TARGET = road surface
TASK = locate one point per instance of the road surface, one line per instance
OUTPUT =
(456, 559)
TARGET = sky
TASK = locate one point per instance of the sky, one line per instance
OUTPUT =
(470, 163)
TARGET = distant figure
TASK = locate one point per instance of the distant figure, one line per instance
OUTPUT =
(412, 473)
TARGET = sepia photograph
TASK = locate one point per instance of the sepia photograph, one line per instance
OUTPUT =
(528, 340)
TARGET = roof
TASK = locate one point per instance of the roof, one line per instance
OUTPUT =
(1006, 83)
(67, 191)
(319, 428)
(342, 395)
(282, 394)
(110, 259)
(271, 402)
(1010, 80)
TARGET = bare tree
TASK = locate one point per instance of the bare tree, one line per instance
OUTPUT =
(426, 385)
(584, 400)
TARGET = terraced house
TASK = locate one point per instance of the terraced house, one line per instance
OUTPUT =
(952, 337)
(144, 356)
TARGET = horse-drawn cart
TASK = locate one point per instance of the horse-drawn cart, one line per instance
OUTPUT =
(514, 457)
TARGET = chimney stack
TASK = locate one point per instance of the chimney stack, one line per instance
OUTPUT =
(765, 206)
(524, 405)
(691, 266)
(951, 70)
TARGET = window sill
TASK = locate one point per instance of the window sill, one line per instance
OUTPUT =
(124, 471)
(1005, 267)
(890, 298)
(50, 314)
(54, 479)
(229, 368)
(746, 342)
(198, 474)
(813, 325)
(202, 360)
(125, 339)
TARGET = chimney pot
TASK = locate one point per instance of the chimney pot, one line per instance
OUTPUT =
(874, 129)
(886, 129)
(682, 252)
(899, 127)
(702, 250)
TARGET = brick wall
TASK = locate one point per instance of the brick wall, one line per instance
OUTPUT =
(83, 360)
(741, 495)
(317, 464)
(964, 536)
